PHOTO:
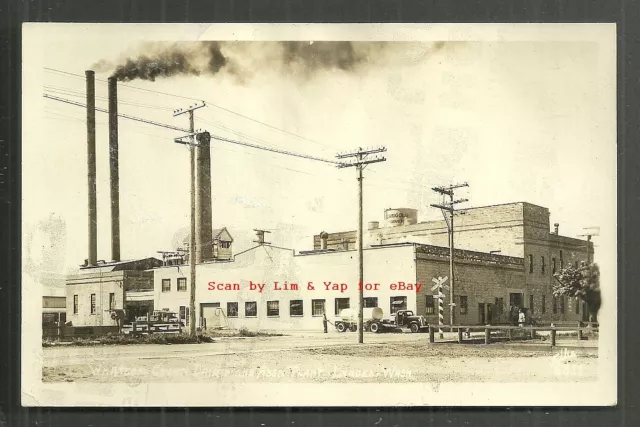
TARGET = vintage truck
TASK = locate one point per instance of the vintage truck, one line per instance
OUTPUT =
(374, 321)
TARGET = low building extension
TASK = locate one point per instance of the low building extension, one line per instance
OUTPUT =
(94, 293)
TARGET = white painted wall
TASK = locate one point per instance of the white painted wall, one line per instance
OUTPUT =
(266, 265)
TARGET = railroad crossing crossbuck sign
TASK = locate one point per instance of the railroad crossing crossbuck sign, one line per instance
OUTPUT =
(439, 285)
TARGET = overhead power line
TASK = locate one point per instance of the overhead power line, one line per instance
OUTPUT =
(124, 116)
(274, 150)
(218, 138)
(195, 99)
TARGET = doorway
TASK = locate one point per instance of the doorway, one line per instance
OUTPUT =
(210, 315)
(515, 304)
(515, 299)
(485, 313)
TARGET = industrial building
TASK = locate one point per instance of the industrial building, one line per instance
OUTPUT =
(99, 288)
(505, 257)
(489, 283)
(517, 230)
(94, 293)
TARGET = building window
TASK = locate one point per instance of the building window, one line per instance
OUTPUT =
(370, 302)
(499, 303)
(530, 263)
(561, 305)
(273, 308)
(232, 309)
(166, 285)
(553, 263)
(112, 301)
(561, 260)
(296, 308)
(531, 303)
(577, 306)
(398, 303)
(554, 305)
(225, 245)
(93, 303)
(317, 307)
(182, 284)
(464, 304)
(75, 304)
(184, 315)
(341, 304)
(430, 305)
(250, 309)
(543, 265)
(543, 308)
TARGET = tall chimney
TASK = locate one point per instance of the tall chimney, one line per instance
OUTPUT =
(114, 169)
(555, 228)
(204, 226)
(91, 167)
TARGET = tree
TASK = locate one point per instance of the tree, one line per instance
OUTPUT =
(583, 283)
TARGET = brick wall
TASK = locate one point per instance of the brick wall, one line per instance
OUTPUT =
(540, 243)
(480, 277)
(484, 229)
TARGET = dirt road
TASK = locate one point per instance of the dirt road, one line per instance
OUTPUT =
(314, 358)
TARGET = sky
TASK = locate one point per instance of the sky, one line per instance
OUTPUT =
(521, 114)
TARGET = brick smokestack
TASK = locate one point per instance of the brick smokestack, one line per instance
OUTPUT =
(204, 225)
(91, 167)
(114, 168)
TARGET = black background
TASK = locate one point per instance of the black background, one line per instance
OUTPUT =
(624, 13)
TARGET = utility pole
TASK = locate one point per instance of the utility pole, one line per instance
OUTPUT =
(192, 235)
(590, 232)
(450, 207)
(260, 235)
(360, 162)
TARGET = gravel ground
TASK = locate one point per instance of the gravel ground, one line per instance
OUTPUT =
(391, 362)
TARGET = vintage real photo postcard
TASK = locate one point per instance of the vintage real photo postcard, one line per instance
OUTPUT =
(319, 215)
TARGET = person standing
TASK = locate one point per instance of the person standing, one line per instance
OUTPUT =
(521, 318)
(514, 314)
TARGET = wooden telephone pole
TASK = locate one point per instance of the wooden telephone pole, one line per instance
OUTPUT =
(450, 207)
(590, 232)
(192, 235)
(360, 162)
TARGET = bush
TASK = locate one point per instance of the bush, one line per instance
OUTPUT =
(517, 334)
(132, 339)
(244, 332)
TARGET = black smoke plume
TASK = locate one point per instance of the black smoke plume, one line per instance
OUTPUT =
(171, 60)
(245, 59)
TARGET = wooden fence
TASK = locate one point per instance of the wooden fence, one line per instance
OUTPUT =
(59, 331)
(531, 330)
